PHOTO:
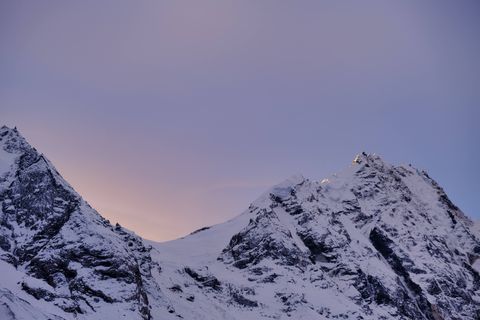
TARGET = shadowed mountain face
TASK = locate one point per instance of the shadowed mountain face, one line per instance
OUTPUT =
(374, 241)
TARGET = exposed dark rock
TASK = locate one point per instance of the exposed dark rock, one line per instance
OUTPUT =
(372, 289)
(270, 278)
(385, 246)
(257, 242)
(176, 288)
(241, 300)
(38, 293)
(204, 280)
(200, 230)
(320, 252)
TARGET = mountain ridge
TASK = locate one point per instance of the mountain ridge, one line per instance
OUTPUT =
(374, 241)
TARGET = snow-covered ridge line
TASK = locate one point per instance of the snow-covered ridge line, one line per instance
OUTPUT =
(375, 241)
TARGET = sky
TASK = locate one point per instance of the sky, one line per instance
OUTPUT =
(167, 116)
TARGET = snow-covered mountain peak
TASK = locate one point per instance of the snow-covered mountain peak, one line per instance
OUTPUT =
(369, 160)
(71, 257)
(360, 157)
(364, 157)
(374, 222)
(4, 129)
(14, 151)
(374, 241)
(12, 141)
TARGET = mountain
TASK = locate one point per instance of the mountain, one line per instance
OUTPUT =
(375, 241)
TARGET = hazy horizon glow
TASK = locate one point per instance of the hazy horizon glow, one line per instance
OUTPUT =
(168, 116)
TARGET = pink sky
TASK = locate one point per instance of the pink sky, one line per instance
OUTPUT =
(169, 116)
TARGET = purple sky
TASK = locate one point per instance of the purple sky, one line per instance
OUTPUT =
(171, 115)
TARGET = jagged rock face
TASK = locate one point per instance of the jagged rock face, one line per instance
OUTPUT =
(264, 237)
(375, 241)
(396, 219)
(48, 230)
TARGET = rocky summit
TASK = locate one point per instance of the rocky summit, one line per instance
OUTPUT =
(375, 241)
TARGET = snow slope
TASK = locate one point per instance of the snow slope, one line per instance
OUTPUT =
(375, 241)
